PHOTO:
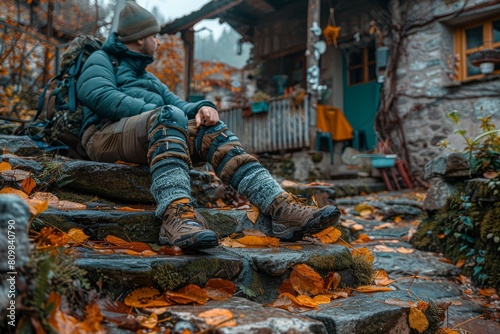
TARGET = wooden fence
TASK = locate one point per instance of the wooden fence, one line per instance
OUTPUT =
(284, 127)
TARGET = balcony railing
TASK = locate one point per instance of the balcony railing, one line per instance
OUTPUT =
(284, 127)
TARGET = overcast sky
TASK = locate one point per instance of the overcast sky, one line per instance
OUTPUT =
(174, 9)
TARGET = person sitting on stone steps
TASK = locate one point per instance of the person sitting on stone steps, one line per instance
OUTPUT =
(130, 115)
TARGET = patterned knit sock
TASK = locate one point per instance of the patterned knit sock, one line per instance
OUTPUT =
(170, 182)
(255, 182)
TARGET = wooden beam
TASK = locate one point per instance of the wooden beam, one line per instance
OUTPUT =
(188, 39)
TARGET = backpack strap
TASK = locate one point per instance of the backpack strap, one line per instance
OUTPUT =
(41, 101)
(74, 69)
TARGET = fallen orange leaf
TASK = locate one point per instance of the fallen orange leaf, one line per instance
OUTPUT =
(218, 288)
(218, 317)
(306, 301)
(382, 226)
(488, 292)
(328, 235)
(365, 253)
(253, 213)
(77, 236)
(306, 281)
(381, 278)
(146, 297)
(332, 281)
(189, 294)
(321, 299)
(5, 166)
(372, 288)
(133, 245)
(28, 184)
(148, 322)
(460, 263)
(418, 320)
(13, 191)
(257, 238)
(362, 238)
(286, 286)
(404, 250)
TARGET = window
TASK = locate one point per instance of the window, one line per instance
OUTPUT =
(361, 68)
(475, 37)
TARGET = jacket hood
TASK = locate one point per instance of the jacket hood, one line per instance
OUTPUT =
(115, 47)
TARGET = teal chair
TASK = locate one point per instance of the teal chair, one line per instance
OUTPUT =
(320, 138)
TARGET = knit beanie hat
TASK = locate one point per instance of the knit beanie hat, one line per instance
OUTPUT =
(136, 22)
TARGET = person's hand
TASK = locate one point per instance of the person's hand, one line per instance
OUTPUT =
(206, 116)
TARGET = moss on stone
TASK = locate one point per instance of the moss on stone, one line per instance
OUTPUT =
(362, 270)
(316, 157)
(331, 262)
(200, 271)
(224, 225)
(167, 277)
(435, 316)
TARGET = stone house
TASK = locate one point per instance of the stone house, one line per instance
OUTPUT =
(393, 69)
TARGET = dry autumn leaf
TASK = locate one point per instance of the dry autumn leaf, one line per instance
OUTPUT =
(148, 322)
(306, 301)
(255, 238)
(62, 322)
(328, 235)
(382, 226)
(77, 236)
(321, 299)
(372, 288)
(332, 281)
(306, 281)
(404, 250)
(381, 278)
(13, 191)
(365, 253)
(488, 292)
(28, 184)
(189, 294)
(218, 317)
(49, 237)
(146, 297)
(219, 289)
(362, 238)
(418, 320)
(287, 287)
(133, 245)
(253, 214)
(384, 249)
(4, 165)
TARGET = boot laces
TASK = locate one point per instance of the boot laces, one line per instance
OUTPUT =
(292, 205)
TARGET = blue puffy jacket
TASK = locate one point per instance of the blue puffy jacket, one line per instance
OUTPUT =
(113, 92)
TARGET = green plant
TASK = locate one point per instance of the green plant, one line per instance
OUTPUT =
(484, 149)
(260, 96)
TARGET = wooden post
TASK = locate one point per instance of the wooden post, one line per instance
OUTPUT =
(313, 20)
(188, 39)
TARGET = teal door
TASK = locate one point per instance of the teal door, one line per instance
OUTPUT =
(361, 92)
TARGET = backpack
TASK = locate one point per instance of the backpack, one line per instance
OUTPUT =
(58, 120)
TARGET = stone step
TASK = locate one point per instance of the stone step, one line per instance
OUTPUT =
(258, 272)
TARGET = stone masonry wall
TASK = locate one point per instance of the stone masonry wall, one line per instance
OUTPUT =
(425, 86)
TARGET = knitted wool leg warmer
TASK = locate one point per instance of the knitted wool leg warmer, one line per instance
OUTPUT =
(255, 182)
(171, 181)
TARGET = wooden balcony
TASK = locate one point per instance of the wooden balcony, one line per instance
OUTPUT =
(284, 127)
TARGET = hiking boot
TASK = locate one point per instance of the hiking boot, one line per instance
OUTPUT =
(292, 219)
(180, 227)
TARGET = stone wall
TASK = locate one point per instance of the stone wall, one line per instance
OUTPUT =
(426, 91)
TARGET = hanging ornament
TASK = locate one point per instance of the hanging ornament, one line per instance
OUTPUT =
(331, 31)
